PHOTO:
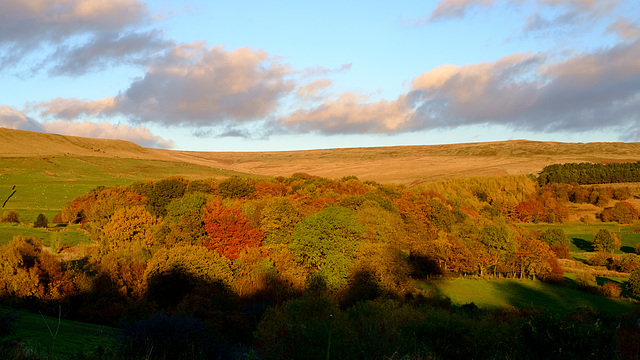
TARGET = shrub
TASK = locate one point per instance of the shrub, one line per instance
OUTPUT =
(11, 216)
(41, 221)
(610, 290)
(585, 279)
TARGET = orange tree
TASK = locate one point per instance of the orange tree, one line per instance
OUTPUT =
(228, 230)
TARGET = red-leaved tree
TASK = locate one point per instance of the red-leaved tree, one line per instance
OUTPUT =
(228, 230)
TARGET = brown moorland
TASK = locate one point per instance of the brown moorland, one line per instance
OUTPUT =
(409, 165)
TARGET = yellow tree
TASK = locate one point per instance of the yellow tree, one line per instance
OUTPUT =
(130, 227)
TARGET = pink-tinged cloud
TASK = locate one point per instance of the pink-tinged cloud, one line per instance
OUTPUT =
(625, 28)
(193, 85)
(587, 92)
(14, 119)
(351, 114)
(314, 89)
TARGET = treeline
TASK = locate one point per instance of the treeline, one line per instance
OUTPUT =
(590, 173)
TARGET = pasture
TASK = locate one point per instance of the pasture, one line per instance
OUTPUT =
(522, 294)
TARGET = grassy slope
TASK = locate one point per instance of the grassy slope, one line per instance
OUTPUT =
(72, 337)
(522, 294)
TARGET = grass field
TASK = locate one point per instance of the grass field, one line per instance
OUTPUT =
(522, 294)
(581, 235)
(37, 333)
(54, 237)
(47, 184)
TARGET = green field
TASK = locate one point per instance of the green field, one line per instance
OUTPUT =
(37, 333)
(48, 184)
(522, 294)
(53, 237)
(581, 235)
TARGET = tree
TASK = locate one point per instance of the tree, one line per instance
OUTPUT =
(604, 240)
(634, 282)
(228, 230)
(41, 221)
(554, 236)
(326, 242)
(130, 227)
(235, 187)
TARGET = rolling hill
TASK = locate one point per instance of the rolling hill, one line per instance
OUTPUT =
(409, 165)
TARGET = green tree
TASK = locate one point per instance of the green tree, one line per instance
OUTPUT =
(326, 242)
(554, 236)
(41, 221)
(235, 187)
(604, 240)
(634, 282)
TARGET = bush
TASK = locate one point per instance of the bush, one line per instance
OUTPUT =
(610, 290)
(585, 279)
(11, 217)
(41, 221)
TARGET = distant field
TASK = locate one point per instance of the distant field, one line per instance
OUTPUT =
(522, 294)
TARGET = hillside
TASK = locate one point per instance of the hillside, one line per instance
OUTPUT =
(408, 165)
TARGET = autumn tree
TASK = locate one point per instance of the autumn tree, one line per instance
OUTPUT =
(278, 219)
(183, 221)
(228, 230)
(130, 227)
(326, 242)
(163, 192)
(235, 187)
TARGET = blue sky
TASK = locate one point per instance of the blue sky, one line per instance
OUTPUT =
(291, 75)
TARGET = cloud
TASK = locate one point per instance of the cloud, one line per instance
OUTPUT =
(456, 9)
(591, 91)
(586, 92)
(313, 90)
(85, 34)
(107, 50)
(14, 119)
(567, 15)
(192, 85)
(625, 28)
(351, 114)
(11, 118)
(549, 15)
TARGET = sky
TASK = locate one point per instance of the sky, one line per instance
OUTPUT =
(295, 75)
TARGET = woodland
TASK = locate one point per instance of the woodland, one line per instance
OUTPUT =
(306, 267)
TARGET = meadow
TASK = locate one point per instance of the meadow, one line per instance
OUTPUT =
(57, 337)
(522, 294)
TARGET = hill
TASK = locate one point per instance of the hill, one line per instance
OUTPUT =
(409, 165)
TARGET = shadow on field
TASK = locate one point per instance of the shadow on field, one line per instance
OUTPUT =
(582, 244)
(628, 250)
(553, 298)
